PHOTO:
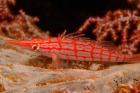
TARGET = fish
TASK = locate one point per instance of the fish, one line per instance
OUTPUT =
(73, 49)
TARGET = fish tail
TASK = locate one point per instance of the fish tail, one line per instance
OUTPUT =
(134, 59)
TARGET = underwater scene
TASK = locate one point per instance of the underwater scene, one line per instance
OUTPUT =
(69, 46)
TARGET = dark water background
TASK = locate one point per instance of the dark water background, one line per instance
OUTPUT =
(58, 15)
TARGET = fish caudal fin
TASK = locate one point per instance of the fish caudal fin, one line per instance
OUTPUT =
(134, 59)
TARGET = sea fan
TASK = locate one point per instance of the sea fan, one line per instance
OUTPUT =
(121, 27)
(19, 26)
(4, 8)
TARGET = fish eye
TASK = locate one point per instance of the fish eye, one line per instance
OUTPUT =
(35, 47)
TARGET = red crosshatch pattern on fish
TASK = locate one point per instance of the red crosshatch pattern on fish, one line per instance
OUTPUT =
(73, 49)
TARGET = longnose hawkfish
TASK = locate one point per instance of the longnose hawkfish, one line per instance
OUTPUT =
(73, 49)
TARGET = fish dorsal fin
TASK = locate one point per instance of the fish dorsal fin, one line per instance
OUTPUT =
(107, 44)
(73, 35)
(110, 46)
(63, 34)
(81, 37)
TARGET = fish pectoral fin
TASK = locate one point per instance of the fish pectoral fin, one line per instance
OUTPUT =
(56, 62)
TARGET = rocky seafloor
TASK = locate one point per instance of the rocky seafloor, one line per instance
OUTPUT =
(26, 71)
